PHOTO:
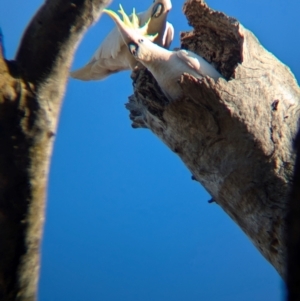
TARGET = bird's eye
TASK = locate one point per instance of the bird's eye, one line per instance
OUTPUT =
(133, 48)
(157, 10)
(141, 41)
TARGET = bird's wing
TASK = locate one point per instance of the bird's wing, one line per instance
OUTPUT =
(168, 35)
(143, 16)
(110, 57)
(199, 65)
(91, 71)
(101, 68)
(189, 59)
(110, 46)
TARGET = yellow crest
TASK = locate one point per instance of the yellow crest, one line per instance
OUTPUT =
(132, 22)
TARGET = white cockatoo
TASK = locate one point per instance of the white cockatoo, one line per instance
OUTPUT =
(112, 56)
(166, 66)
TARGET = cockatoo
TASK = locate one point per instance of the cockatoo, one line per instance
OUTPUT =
(112, 56)
(166, 66)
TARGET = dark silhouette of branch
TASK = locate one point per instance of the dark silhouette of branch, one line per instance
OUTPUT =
(293, 232)
(31, 90)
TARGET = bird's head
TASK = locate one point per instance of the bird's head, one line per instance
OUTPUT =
(135, 37)
(160, 8)
(142, 49)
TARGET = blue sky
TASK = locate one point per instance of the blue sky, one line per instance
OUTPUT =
(124, 220)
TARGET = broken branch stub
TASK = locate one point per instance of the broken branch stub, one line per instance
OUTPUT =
(234, 135)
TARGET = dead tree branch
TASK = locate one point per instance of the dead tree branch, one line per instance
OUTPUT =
(236, 135)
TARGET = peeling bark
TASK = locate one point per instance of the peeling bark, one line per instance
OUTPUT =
(31, 91)
(234, 135)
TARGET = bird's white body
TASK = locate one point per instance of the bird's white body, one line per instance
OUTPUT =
(168, 66)
(113, 56)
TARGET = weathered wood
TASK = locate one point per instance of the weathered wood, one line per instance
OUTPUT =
(31, 90)
(235, 135)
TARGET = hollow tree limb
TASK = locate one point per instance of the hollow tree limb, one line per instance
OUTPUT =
(234, 135)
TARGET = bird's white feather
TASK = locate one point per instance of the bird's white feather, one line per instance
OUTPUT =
(110, 47)
(168, 35)
(198, 64)
(112, 56)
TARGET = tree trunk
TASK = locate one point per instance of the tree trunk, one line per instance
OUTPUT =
(31, 90)
(234, 135)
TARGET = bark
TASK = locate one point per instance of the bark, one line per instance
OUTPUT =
(235, 135)
(31, 90)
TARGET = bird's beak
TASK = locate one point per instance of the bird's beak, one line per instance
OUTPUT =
(157, 10)
(133, 48)
(167, 5)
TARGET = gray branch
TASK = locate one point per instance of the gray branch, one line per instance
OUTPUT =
(236, 135)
